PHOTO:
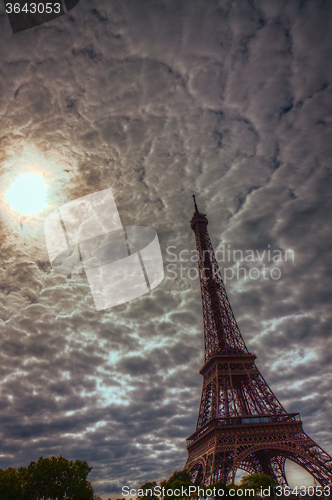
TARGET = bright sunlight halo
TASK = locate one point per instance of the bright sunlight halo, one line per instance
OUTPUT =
(27, 194)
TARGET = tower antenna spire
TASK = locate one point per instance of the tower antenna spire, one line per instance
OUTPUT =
(196, 208)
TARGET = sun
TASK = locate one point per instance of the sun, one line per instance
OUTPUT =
(27, 194)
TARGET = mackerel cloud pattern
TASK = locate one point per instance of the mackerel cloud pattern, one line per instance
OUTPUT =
(120, 264)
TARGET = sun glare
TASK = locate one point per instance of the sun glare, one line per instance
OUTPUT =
(27, 194)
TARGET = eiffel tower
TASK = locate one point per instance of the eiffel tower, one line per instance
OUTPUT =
(241, 424)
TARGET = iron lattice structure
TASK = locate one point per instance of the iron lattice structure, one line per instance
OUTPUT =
(241, 424)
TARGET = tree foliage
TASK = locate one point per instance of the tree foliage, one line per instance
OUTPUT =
(178, 480)
(47, 479)
(257, 481)
(220, 487)
(148, 489)
(181, 479)
(10, 484)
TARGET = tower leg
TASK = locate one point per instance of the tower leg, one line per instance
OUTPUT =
(278, 467)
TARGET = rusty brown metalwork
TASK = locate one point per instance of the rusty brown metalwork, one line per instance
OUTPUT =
(241, 424)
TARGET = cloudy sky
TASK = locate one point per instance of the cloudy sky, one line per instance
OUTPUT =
(159, 99)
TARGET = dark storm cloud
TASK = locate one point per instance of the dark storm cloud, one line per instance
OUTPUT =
(231, 100)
